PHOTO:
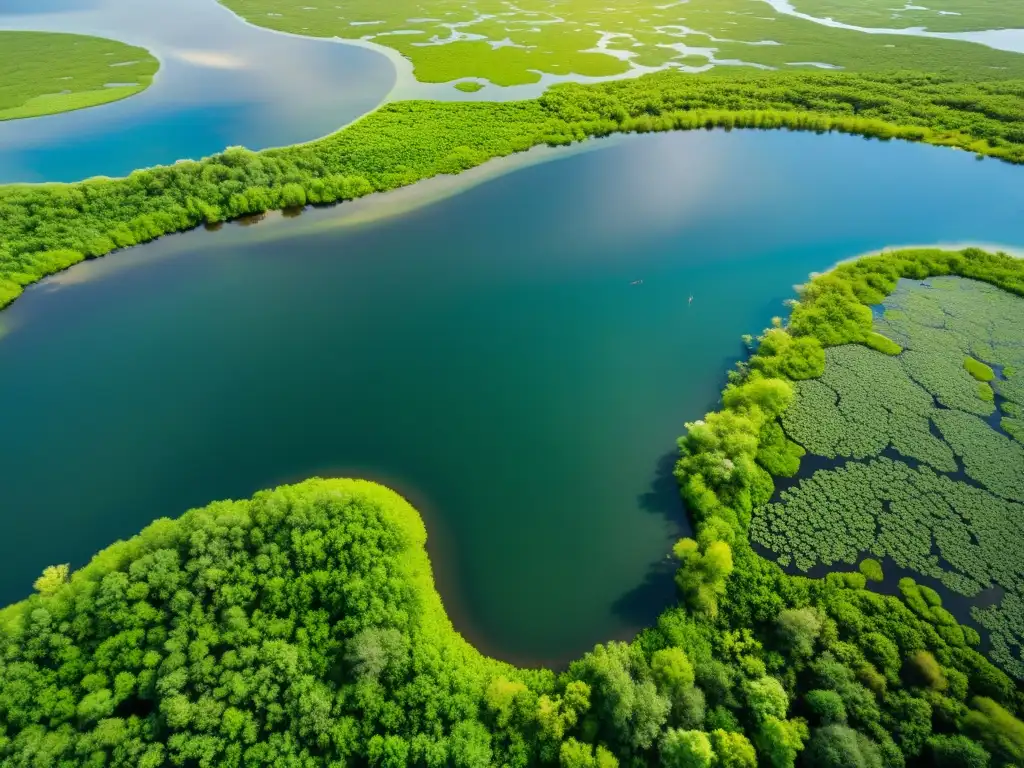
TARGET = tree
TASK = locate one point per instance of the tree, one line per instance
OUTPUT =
(650, 711)
(872, 569)
(957, 751)
(574, 754)
(470, 745)
(910, 720)
(293, 196)
(997, 729)
(673, 672)
(702, 573)
(925, 671)
(628, 709)
(691, 709)
(827, 706)
(836, 746)
(883, 653)
(732, 750)
(799, 629)
(686, 749)
(500, 698)
(54, 577)
(373, 650)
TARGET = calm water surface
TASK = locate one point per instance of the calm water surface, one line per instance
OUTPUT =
(221, 83)
(486, 355)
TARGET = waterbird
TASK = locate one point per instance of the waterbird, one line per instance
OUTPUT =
(637, 282)
(691, 299)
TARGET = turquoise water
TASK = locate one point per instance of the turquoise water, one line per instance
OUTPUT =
(221, 83)
(487, 355)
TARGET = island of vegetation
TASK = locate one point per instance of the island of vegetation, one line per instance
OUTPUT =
(49, 72)
(516, 43)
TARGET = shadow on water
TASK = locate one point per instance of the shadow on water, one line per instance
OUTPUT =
(662, 498)
(640, 606)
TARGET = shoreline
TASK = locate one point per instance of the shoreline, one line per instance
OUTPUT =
(1014, 251)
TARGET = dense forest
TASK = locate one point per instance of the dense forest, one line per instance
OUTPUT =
(47, 228)
(302, 627)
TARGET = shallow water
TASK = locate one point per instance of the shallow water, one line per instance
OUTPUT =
(221, 83)
(1001, 39)
(486, 354)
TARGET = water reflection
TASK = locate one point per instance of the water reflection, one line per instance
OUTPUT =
(222, 82)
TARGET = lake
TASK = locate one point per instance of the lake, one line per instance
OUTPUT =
(221, 83)
(486, 354)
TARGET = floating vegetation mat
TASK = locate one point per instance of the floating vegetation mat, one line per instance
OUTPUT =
(947, 498)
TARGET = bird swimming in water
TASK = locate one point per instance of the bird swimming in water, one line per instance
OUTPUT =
(691, 299)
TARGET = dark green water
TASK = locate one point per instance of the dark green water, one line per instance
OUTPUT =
(486, 355)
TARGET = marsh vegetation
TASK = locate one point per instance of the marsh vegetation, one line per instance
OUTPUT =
(45, 72)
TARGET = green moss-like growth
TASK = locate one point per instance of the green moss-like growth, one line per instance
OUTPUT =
(259, 632)
(872, 569)
(513, 44)
(882, 344)
(469, 86)
(928, 405)
(302, 627)
(45, 72)
(978, 369)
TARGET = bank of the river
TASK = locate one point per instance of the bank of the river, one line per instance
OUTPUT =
(46, 229)
(46, 73)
